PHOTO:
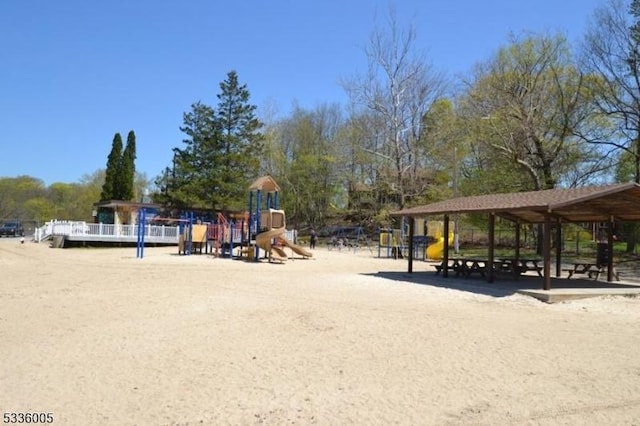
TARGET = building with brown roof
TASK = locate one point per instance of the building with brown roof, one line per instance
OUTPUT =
(608, 203)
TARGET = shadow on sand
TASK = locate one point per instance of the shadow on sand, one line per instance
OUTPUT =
(502, 286)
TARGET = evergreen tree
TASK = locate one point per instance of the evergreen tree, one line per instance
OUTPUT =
(221, 155)
(114, 160)
(194, 165)
(127, 174)
(240, 144)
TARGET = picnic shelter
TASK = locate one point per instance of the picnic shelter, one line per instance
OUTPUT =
(606, 204)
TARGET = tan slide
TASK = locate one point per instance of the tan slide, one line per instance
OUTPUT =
(296, 248)
(263, 241)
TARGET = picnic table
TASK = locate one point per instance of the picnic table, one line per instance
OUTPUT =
(474, 266)
(524, 265)
(590, 269)
(453, 264)
(463, 266)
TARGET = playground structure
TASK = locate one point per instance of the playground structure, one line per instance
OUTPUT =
(428, 241)
(263, 227)
(268, 224)
(391, 243)
(273, 225)
(217, 237)
(349, 237)
(225, 234)
(142, 228)
(192, 238)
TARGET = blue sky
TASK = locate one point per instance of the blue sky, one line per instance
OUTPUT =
(75, 72)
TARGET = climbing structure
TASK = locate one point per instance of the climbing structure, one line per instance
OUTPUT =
(267, 224)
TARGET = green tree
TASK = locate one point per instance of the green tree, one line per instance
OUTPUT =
(90, 185)
(110, 188)
(530, 116)
(240, 143)
(40, 210)
(186, 183)
(529, 113)
(441, 150)
(120, 175)
(626, 172)
(64, 199)
(15, 194)
(127, 174)
(221, 155)
(309, 142)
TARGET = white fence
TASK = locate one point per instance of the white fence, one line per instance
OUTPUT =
(105, 232)
(291, 235)
(79, 231)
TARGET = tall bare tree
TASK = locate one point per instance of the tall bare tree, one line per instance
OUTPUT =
(611, 50)
(398, 90)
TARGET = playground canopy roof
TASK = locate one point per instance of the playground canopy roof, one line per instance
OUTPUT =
(585, 204)
(266, 184)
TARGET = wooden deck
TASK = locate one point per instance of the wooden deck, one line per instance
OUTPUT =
(83, 233)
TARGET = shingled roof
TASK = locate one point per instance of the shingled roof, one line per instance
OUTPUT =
(585, 204)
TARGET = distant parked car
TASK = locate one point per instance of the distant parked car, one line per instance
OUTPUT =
(11, 229)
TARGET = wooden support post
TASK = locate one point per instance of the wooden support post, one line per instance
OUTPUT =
(558, 247)
(492, 235)
(412, 228)
(445, 252)
(546, 252)
(517, 250)
(610, 248)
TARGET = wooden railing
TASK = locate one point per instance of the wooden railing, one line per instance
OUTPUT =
(77, 230)
(105, 232)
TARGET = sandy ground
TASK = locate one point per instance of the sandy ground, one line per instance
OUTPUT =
(98, 337)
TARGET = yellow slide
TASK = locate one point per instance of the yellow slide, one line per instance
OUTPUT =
(436, 250)
(295, 248)
(263, 241)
